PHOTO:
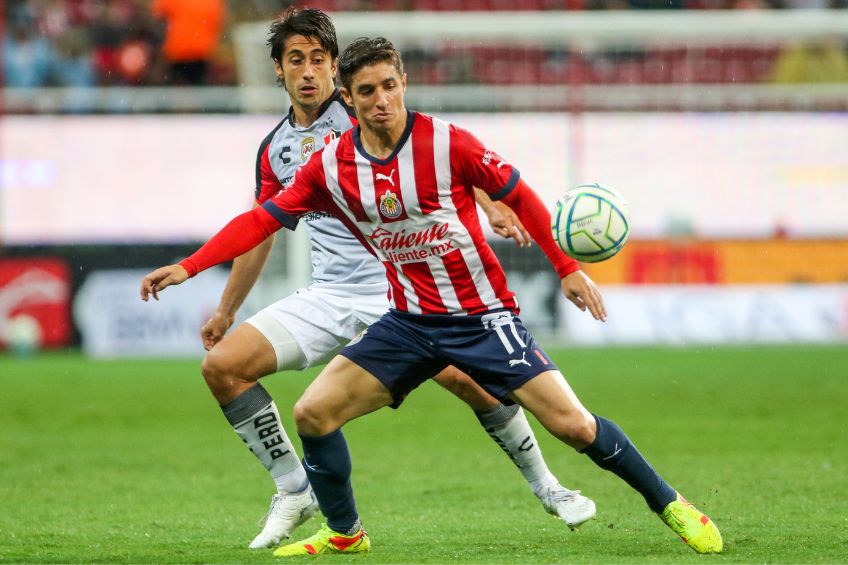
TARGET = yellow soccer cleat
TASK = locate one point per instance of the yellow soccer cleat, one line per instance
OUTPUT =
(326, 540)
(698, 531)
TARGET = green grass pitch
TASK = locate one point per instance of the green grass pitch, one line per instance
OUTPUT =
(131, 462)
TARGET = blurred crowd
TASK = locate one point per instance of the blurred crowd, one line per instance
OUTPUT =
(115, 42)
(85, 43)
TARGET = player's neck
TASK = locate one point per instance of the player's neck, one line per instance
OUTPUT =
(381, 143)
(305, 117)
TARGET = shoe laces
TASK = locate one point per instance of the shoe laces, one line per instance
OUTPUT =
(264, 519)
(561, 494)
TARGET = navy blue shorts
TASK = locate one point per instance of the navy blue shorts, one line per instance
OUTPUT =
(403, 350)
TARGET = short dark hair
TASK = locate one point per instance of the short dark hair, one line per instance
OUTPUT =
(365, 51)
(307, 22)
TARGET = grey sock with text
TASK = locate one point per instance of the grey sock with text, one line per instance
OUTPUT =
(254, 417)
(508, 426)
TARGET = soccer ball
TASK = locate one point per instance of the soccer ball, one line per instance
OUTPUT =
(591, 223)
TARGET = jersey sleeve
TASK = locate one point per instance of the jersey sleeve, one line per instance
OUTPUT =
(477, 166)
(536, 217)
(306, 193)
(267, 183)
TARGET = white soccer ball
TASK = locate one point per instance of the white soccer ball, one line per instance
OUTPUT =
(591, 223)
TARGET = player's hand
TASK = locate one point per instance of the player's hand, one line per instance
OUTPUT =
(506, 224)
(215, 328)
(582, 292)
(160, 279)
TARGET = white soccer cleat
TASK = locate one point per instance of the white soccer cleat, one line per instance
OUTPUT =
(287, 512)
(568, 505)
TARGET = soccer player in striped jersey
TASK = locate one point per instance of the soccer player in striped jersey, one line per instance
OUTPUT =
(450, 301)
(348, 294)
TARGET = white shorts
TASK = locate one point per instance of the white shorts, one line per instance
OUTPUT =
(322, 319)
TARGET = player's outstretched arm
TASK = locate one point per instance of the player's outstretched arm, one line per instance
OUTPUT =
(243, 276)
(503, 220)
(242, 234)
(576, 285)
(160, 279)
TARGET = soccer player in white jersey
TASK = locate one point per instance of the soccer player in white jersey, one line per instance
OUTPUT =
(450, 302)
(348, 294)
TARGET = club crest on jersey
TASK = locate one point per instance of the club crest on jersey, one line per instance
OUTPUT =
(334, 134)
(390, 206)
(307, 147)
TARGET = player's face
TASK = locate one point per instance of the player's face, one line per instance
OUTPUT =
(307, 70)
(376, 94)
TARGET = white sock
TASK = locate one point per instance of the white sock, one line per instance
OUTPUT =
(508, 426)
(255, 419)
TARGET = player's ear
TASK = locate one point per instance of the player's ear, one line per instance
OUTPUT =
(346, 95)
(403, 81)
(278, 69)
(334, 67)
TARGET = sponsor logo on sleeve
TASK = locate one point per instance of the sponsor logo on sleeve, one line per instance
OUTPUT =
(490, 156)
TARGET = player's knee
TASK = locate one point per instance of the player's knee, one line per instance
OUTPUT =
(312, 420)
(210, 367)
(217, 371)
(575, 429)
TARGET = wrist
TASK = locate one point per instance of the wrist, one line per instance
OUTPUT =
(226, 312)
(189, 267)
(567, 268)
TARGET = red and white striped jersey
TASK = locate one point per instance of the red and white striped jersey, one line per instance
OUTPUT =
(415, 211)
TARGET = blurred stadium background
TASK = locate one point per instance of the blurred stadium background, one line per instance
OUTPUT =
(127, 138)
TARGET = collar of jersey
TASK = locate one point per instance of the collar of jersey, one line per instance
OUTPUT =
(335, 97)
(357, 142)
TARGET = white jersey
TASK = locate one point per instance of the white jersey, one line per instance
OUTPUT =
(337, 257)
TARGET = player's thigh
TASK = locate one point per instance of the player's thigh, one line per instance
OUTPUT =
(464, 388)
(550, 398)
(397, 354)
(342, 392)
(321, 321)
(244, 353)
